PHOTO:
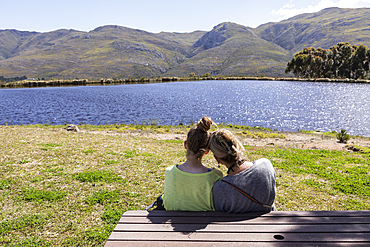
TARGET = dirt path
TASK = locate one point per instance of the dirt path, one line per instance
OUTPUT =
(292, 140)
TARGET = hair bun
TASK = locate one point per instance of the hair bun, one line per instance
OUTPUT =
(204, 124)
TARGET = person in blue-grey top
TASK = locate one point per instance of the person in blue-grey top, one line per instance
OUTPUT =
(249, 186)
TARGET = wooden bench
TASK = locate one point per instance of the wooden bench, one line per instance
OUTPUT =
(280, 228)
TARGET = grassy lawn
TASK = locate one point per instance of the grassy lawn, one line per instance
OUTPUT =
(59, 188)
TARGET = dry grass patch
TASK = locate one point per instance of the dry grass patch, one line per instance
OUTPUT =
(59, 188)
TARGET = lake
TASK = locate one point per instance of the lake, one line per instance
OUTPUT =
(281, 105)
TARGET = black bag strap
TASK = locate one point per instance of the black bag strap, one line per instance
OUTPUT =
(254, 200)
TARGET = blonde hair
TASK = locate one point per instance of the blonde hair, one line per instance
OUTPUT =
(198, 137)
(226, 147)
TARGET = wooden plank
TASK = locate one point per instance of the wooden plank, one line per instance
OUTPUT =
(229, 244)
(365, 228)
(241, 237)
(246, 220)
(142, 213)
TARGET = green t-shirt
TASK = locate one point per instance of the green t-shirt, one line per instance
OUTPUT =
(187, 191)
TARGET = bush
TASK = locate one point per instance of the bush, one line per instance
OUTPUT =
(343, 136)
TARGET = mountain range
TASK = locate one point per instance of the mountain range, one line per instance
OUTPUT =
(228, 49)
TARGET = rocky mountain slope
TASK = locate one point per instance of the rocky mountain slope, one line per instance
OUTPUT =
(232, 49)
(322, 29)
(228, 49)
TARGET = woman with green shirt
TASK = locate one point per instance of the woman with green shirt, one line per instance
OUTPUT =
(188, 187)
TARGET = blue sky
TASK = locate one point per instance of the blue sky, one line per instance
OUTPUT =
(154, 16)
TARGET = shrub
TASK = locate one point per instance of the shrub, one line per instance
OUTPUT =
(343, 136)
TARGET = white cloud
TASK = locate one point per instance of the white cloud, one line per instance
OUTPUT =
(289, 10)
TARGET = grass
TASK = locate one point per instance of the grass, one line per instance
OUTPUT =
(59, 188)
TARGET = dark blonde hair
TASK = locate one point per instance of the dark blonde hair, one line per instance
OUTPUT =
(226, 147)
(198, 137)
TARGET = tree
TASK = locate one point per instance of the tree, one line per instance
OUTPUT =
(359, 62)
(297, 65)
(345, 53)
(340, 61)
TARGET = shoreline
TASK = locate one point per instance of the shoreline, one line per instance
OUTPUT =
(251, 136)
(87, 82)
(153, 126)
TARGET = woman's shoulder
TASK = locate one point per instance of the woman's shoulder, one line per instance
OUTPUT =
(263, 163)
(218, 172)
(261, 170)
(175, 170)
(171, 168)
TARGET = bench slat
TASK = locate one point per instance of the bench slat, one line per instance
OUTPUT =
(244, 220)
(241, 237)
(142, 213)
(237, 244)
(365, 228)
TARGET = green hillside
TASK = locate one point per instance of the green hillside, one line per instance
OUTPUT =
(109, 51)
(228, 49)
(232, 49)
(322, 29)
(187, 39)
(10, 40)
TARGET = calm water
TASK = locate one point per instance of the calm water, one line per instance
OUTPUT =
(274, 104)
